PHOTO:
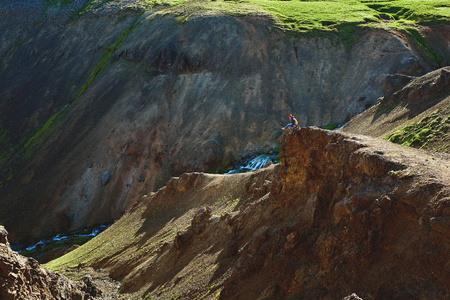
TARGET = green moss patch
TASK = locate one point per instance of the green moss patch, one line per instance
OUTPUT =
(20, 152)
(422, 46)
(329, 126)
(104, 60)
(431, 132)
(412, 11)
(42, 133)
(304, 16)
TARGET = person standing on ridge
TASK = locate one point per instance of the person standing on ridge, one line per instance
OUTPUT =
(294, 122)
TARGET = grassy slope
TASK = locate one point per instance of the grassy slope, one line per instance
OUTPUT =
(428, 129)
(145, 234)
(431, 132)
(297, 15)
(417, 115)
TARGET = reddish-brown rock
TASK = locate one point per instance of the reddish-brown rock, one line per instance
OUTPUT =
(355, 214)
(23, 278)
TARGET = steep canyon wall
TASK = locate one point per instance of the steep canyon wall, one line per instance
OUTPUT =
(141, 98)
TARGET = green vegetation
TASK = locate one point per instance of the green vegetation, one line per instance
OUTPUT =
(107, 54)
(114, 239)
(54, 245)
(25, 148)
(431, 132)
(299, 16)
(41, 134)
(160, 183)
(422, 46)
(3, 134)
(3, 142)
(296, 16)
(412, 11)
(7, 174)
(341, 17)
(329, 126)
(150, 226)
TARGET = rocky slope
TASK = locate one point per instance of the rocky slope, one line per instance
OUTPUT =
(414, 111)
(139, 98)
(341, 214)
(24, 278)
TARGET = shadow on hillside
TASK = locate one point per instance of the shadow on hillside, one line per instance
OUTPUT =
(382, 110)
(181, 265)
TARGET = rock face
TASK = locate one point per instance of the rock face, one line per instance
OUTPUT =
(24, 278)
(358, 213)
(406, 99)
(143, 96)
(342, 215)
(3, 236)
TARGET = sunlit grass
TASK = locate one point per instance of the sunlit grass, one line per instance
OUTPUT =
(297, 15)
(301, 16)
(322, 15)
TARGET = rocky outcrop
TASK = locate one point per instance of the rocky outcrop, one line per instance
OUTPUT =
(3, 236)
(423, 91)
(24, 278)
(359, 210)
(342, 216)
(406, 100)
(352, 297)
(198, 224)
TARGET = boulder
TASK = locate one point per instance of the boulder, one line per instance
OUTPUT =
(201, 220)
(105, 178)
(3, 236)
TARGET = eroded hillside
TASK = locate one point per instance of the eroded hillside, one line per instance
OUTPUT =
(102, 103)
(341, 214)
(415, 111)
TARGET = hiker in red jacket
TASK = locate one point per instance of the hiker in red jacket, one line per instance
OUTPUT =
(294, 122)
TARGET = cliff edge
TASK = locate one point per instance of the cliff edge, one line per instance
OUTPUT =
(341, 214)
